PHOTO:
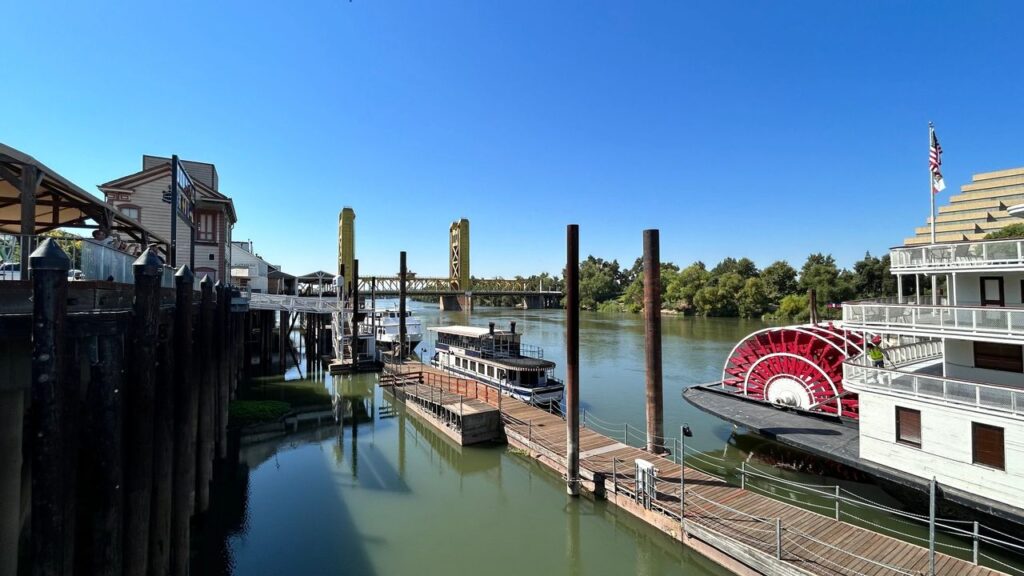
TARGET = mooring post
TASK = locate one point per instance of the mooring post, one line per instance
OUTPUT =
(812, 304)
(652, 341)
(931, 526)
(778, 538)
(355, 315)
(572, 358)
(163, 451)
(204, 432)
(140, 406)
(102, 465)
(682, 477)
(186, 409)
(51, 530)
(220, 380)
(743, 475)
(402, 334)
(282, 339)
(974, 548)
(837, 501)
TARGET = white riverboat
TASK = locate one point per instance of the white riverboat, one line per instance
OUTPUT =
(497, 358)
(385, 328)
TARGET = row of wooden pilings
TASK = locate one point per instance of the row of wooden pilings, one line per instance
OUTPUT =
(126, 414)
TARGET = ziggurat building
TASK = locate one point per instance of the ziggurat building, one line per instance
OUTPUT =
(979, 208)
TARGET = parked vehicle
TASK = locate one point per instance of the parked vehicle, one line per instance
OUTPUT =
(10, 271)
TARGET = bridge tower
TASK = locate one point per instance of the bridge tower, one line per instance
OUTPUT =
(346, 244)
(458, 267)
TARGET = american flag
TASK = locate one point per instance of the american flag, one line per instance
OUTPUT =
(935, 163)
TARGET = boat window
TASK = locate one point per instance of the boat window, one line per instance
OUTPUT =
(908, 426)
(996, 356)
(528, 378)
(511, 375)
(501, 374)
(987, 446)
(490, 371)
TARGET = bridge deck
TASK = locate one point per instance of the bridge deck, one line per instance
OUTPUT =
(810, 543)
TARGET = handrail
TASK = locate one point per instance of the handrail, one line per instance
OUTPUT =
(1006, 322)
(958, 255)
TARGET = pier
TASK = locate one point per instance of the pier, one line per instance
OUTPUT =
(744, 531)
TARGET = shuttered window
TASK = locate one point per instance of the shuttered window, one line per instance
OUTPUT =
(987, 446)
(996, 356)
(908, 426)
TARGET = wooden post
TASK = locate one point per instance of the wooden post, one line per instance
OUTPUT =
(282, 340)
(572, 358)
(402, 331)
(812, 304)
(29, 184)
(219, 374)
(247, 346)
(163, 451)
(652, 340)
(45, 438)
(140, 391)
(355, 317)
(186, 409)
(205, 432)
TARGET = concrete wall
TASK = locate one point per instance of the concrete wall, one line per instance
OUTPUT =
(959, 358)
(968, 287)
(946, 447)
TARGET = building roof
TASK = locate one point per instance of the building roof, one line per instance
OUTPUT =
(982, 206)
(207, 194)
(59, 202)
(469, 331)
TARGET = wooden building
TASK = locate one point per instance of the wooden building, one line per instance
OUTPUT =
(141, 197)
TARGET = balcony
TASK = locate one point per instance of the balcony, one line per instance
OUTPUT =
(999, 324)
(994, 255)
(912, 379)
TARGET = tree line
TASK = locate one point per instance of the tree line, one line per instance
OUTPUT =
(733, 287)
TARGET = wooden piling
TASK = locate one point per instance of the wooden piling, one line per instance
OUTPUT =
(402, 333)
(50, 530)
(205, 432)
(219, 376)
(652, 341)
(355, 316)
(163, 451)
(283, 340)
(140, 390)
(186, 409)
(102, 473)
(812, 304)
(572, 358)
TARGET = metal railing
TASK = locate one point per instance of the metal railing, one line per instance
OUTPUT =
(960, 255)
(941, 320)
(316, 305)
(1007, 399)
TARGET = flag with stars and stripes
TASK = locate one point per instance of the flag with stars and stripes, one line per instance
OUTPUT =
(935, 164)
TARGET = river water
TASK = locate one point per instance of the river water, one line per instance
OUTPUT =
(386, 494)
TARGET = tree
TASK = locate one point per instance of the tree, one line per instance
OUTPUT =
(872, 278)
(719, 298)
(745, 267)
(792, 307)
(779, 281)
(752, 300)
(685, 285)
(598, 282)
(1011, 231)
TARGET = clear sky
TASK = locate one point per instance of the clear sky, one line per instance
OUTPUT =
(760, 129)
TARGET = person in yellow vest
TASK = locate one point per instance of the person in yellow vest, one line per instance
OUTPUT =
(875, 353)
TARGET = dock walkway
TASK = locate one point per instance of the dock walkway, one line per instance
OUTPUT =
(745, 531)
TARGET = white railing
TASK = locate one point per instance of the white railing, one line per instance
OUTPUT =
(988, 397)
(907, 354)
(962, 255)
(258, 301)
(938, 320)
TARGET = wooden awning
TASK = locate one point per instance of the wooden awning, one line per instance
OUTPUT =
(55, 202)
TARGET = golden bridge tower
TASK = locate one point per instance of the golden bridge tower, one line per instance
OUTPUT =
(346, 244)
(458, 256)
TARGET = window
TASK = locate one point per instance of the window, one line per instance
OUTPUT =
(131, 211)
(490, 371)
(206, 230)
(992, 291)
(987, 446)
(995, 356)
(908, 426)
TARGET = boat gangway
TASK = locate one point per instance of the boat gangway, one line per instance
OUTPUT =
(293, 304)
(741, 529)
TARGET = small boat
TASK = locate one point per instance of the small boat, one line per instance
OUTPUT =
(497, 358)
(384, 325)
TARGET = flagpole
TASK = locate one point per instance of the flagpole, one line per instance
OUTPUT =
(931, 180)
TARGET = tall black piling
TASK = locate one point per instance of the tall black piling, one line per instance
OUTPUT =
(572, 358)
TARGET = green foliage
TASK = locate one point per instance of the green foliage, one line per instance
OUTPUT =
(600, 281)
(245, 412)
(682, 289)
(1011, 231)
(719, 298)
(779, 280)
(793, 307)
(752, 300)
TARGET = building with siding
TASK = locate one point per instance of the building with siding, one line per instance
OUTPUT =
(249, 271)
(981, 207)
(140, 196)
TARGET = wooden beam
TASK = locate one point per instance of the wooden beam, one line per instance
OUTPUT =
(7, 174)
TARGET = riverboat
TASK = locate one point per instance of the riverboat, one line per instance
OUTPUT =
(499, 359)
(385, 328)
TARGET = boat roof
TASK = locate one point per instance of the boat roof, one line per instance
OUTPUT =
(470, 331)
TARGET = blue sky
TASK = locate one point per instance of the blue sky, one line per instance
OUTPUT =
(760, 129)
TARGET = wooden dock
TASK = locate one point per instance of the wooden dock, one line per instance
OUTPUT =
(465, 419)
(744, 531)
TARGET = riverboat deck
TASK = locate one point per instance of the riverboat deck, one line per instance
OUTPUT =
(744, 531)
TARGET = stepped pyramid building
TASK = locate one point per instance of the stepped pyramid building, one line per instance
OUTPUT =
(979, 208)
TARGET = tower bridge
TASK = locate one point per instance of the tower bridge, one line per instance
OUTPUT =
(456, 292)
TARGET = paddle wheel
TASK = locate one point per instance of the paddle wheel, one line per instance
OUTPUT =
(795, 366)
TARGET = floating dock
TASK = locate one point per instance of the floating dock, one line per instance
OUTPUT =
(744, 531)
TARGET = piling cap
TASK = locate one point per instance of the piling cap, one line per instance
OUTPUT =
(218, 285)
(149, 263)
(206, 282)
(184, 274)
(49, 256)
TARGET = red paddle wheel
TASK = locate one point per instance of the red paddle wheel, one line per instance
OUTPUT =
(795, 366)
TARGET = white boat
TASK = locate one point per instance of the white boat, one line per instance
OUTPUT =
(497, 358)
(384, 325)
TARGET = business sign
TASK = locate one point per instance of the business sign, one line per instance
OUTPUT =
(186, 194)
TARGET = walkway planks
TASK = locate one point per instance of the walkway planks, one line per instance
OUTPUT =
(810, 543)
